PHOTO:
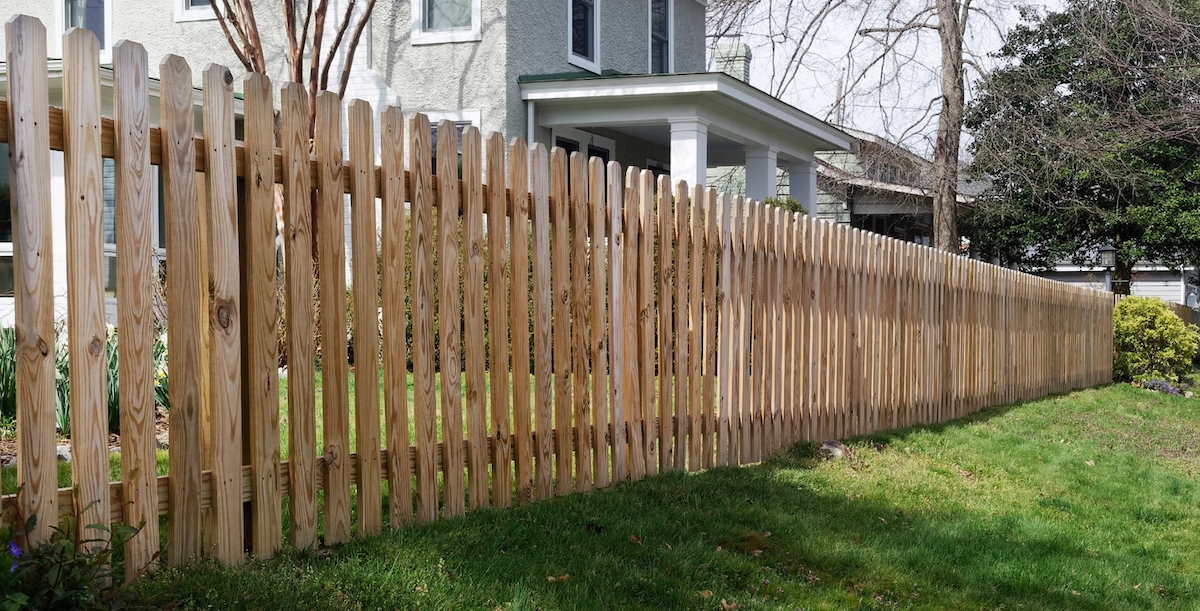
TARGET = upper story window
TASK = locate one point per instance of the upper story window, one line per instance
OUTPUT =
(437, 21)
(193, 10)
(660, 36)
(89, 15)
(583, 35)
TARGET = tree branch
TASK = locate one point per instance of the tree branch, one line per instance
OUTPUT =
(337, 41)
(358, 30)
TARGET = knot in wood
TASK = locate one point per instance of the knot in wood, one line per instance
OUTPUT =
(96, 346)
(228, 77)
(43, 347)
(223, 316)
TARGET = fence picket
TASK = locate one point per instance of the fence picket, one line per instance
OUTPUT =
(601, 435)
(139, 473)
(260, 320)
(85, 289)
(331, 247)
(695, 327)
(680, 363)
(187, 290)
(580, 324)
(224, 530)
(393, 227)
(713, 251)
(560, 270)
(474, 341)
(498, 313)
(366, 317)
(666, 251)
(518, 177)
(649, 421)
(424, 398)
(449, 320)
(542, 366)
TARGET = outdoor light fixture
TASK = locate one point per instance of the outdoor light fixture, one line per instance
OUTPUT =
(1108, 256)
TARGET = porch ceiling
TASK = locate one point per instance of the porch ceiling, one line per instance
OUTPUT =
(738, 115)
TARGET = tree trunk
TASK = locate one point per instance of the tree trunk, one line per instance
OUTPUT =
(950, 120)
(1121, 275)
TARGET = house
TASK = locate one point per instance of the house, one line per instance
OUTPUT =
(623, 80)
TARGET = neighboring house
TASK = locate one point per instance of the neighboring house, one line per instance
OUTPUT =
(623, 80)
(1174, 285)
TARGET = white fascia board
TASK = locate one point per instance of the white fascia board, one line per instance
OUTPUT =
(682, 84)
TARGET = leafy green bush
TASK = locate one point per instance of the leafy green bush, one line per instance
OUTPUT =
(1151, 342)
(67, 571)
(787, 202)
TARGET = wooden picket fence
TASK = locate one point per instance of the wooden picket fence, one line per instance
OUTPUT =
(672, 327)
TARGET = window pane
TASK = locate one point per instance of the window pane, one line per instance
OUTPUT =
(447, 14)
(658, 18)
(86, 14)
(5, 205)
(197, 3)
(6, 276)
(108, 188)
(658, 56)
(582, 15)
(567, 144)
(603, 153)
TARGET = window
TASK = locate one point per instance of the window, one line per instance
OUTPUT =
(193, 10)
(6, 247)
(108, 191)
(583, 40)
(660, 36)
(579, 141)
(89, 15)
(462, 120)
(438, 21)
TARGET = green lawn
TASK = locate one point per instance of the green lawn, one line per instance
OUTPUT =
(999, 511)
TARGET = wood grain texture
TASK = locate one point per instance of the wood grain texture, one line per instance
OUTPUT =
(598, 347)
(134, 271)
(518, 176)
(261, 365)
(665, 306)
(646, 319)
(543, 368)
(631, 298)
(715, 218)
(580, 323)
(755, 267)
(621, 352)
(680, 316)
(560, 261)
(33, 276)
(498, 315)
(85, 272)
(186, 321)
(424, 400)
(726, 354)
(393, 226)
(474, 341)
(298, 312)
(449, 320)
(694, 325)
(331, 280)
(225, 530)
(366, 316)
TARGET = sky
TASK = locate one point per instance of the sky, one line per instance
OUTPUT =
(806, 51)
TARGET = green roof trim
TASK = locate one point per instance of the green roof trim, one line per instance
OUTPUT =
(566, 76)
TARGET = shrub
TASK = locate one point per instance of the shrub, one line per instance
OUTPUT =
(1162, 387)
(787, 202)
(67, 571)
(1151, 342)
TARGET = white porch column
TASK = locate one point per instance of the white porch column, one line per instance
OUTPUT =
(689, 150)
(802, 183)
(761, 181)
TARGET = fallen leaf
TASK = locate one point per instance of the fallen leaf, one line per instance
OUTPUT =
(1090, 463)
(635, 539)
(1137, 587)
(1074, 592)
(728, 606)
(720, 549)
(882, 520)
(705, 593)
(552, 578)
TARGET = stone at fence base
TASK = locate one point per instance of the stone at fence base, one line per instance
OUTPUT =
(1189, 394)
(64, 453)
(833, 450)
(8, 460)
(163, 440)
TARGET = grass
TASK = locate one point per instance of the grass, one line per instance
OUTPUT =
(1081, 501)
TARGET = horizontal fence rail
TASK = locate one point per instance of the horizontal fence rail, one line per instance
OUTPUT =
(567, 324)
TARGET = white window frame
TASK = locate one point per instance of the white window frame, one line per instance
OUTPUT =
(670, 36)
(421, 36)
(592, 65)
(60, 20)
(472, 116)
(584, 139)
(184, 13)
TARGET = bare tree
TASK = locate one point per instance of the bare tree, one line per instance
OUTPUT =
(883, 60)
(308, 60)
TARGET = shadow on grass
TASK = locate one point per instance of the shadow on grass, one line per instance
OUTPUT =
(789, 533)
